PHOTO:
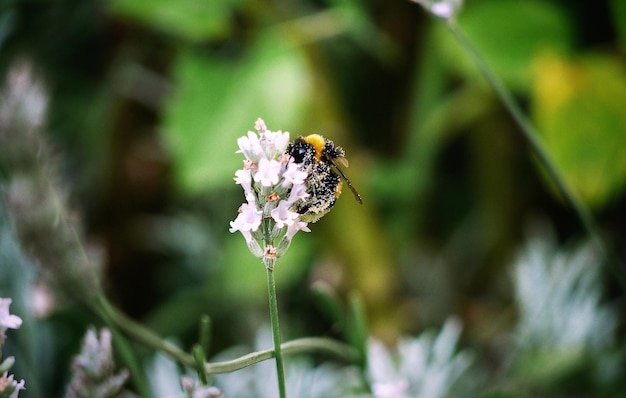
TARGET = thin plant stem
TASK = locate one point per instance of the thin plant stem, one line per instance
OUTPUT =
(532, 137)
(150, 339)
(306, 344)
(278, 355)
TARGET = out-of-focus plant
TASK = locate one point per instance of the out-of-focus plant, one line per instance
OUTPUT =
(427, 366)
(447, 11)
(559, 296)
(9, 387)
(93, 370)
(565, 326)
(167, 380)
(303, 378)
(33, 193)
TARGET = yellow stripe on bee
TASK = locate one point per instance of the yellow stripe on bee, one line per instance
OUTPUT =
(318, 143)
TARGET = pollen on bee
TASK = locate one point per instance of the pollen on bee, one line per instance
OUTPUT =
(318, 143)
(338, 189)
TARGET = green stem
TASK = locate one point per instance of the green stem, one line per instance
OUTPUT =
(150, 339)
(532, 137)
(271, 288)
(307, 344)
(140, 333)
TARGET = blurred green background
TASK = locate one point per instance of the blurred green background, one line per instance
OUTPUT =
(147, 98)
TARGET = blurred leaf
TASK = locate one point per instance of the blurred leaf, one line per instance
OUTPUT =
(361, 28)
(217, 101)
(546, 367)
(177, 314)
(190, 19)
(243, 275)
(580, 108)
(508, 33)
(330, 303)
(357, 326)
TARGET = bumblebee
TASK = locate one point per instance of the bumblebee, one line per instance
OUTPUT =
(321, 158)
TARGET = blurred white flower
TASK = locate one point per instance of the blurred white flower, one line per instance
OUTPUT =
(559, 295)
(93, 370)
(25, 97)
(444, 9)
(194, 390)
(425, 367)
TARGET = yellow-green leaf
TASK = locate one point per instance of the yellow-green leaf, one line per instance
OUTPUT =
(580, 108)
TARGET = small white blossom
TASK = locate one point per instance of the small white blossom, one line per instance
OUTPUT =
(243, 177)
(295, 227)
(8, 321)
(294, 176)
(248, 219)
(282, 215)
(268, 174)
(297, 192)
(275, 143)
(250, 146)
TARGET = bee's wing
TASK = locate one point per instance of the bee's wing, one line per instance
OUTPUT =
(342, 161)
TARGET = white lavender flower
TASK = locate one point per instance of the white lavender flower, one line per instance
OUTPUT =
(7, 320)
(9, 387)
(272, 183)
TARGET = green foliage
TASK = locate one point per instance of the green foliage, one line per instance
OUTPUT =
(213, 101)
(580, 107)
(509, 34)
(189, 19)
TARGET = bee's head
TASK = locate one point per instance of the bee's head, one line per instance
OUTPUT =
(302, 151)
(314, 146)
